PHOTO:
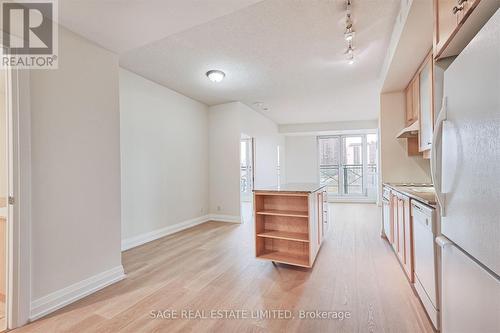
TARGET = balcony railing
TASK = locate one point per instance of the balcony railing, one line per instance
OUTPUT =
(351, 178)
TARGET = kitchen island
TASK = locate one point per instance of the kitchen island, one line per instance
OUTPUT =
(291, 222)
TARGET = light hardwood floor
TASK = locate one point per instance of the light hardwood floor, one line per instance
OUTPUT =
(212, 266)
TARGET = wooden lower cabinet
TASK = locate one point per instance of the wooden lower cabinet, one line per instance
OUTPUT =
(394, 221)
(402, 243)
(401, 231)
(408, 239)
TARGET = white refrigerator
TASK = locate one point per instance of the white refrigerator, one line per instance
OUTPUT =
(466, 173)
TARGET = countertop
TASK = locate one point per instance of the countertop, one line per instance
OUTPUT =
(292, 187)
(428, 198)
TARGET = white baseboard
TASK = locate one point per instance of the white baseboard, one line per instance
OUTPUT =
(225, 218)
(147, 237)
(62, 297)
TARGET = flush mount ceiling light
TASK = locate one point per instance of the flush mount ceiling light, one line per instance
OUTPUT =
(215, 75)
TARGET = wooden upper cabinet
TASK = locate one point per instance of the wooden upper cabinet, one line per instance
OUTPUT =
(416, 98)
(464, 8)
(409, 104)
(445, 22)
(456, 22)
(412, 101)
(426, 124)
(420, 106)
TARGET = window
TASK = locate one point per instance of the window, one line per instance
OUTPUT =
(348, 164)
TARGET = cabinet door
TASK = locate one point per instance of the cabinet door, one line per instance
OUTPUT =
(409, 103)
(391, 218)
(445, 22)
(416, 98)
(408, 234)
(465, 8)
(320, 217)
(401, 230)
(313, 226)
(426, 105)
(395, 232)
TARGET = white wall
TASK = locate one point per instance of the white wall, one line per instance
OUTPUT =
(75, 147)
(226, 124)
(164, 156)
(341, 126)
(396, 165)
(3, 186)
(302, 159)
(3, 141)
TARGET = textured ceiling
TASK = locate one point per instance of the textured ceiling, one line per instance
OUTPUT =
(121, 25)
(287, 54)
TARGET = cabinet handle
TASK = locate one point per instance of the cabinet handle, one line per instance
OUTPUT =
(456, 9)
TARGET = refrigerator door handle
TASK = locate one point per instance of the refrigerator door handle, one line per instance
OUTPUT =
(442, 241)
(435, 173)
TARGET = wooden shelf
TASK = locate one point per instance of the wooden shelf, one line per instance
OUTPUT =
(283, 228)
(289, 213)
(293, 236)
(286, 258)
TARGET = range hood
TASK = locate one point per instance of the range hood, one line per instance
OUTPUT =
(410, 131)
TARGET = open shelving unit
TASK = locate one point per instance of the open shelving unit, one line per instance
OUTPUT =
(282, 228)
(290, 213)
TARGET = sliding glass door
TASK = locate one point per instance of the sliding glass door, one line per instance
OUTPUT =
(352, 166)
(329, 163)
(348, 165)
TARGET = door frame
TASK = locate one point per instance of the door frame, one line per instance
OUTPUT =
(249, 156)
(251, 140)
(18, 292)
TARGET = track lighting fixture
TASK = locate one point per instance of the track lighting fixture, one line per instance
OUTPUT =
(349, 33)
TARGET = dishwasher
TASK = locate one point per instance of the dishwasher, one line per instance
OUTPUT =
(425, 258)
